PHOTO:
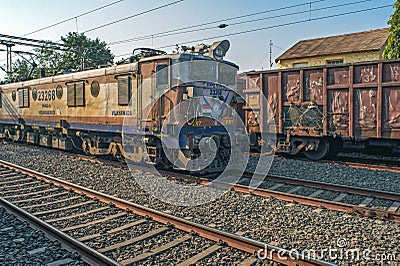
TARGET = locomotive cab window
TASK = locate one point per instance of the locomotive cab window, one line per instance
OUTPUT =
(76, 94)
(23, 98)
(162, 76)
(124, 90)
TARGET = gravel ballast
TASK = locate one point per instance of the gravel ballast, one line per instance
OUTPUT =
(287, 225)
(22, 245)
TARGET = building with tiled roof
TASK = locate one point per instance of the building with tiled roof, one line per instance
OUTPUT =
(346, 48)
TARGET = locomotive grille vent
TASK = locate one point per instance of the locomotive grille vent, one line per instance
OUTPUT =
(23, 98)
(76, 94)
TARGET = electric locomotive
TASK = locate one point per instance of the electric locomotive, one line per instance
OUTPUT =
(126, 110)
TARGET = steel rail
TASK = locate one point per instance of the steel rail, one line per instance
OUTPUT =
(316, 202)
(88, 254)
(271, 252)
(360, 163)
(331, 205)
(328, 186)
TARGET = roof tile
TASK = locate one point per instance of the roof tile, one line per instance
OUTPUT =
(355, 42)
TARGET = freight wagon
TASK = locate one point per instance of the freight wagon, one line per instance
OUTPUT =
(322, 110)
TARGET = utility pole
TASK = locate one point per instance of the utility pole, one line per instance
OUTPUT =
(270, 54)
(9, 59)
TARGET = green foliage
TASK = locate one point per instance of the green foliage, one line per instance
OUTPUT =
(392, 49)
(90, 53)
(81, 53)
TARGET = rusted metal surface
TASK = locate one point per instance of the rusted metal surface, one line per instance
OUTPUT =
(391, 72)
(313, 86)
(357, 100)
(391, 108)
(367, 74)
(291, 87)
(338, 109)
(232, 240)
(271, 92)
(338, 76)
(365, 112)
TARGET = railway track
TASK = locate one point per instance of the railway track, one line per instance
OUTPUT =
(85, 253)
(371, 203)
(366, 202)
(353, 162)
(127, 232)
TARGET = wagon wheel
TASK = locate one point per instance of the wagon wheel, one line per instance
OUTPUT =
(321, 152)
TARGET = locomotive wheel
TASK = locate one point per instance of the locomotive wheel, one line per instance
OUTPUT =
(137, 155)
(321, 152)
(86, 146)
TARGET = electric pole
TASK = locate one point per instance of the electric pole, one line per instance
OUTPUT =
(270, 54)
(9, 59)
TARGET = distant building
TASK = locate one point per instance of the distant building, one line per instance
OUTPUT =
(347, 48)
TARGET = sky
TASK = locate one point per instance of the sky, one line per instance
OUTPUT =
(283, 22)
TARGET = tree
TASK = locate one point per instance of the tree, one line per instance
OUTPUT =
(392, 49)
(85, 53)
(81, 53)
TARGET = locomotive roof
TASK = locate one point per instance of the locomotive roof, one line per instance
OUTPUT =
(112, 70)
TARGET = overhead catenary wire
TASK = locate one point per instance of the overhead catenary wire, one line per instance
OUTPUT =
(174, 32)
(149, 36)
(266, 28)
(56, 44)
(73, 18)
(276, 26)
(10, 37)
(177, 31)
(98, 27)
(132, 16)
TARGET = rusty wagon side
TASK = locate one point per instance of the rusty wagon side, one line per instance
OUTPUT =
(318, 110)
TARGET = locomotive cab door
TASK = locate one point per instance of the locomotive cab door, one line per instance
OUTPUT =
(154, 81)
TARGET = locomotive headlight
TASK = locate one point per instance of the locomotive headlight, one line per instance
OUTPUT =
(219, 52)
(218, 49)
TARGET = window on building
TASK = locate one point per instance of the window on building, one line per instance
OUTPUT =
(302, 64)
(124, 90)
(334, 62)
(23, 97)
(76, 94)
